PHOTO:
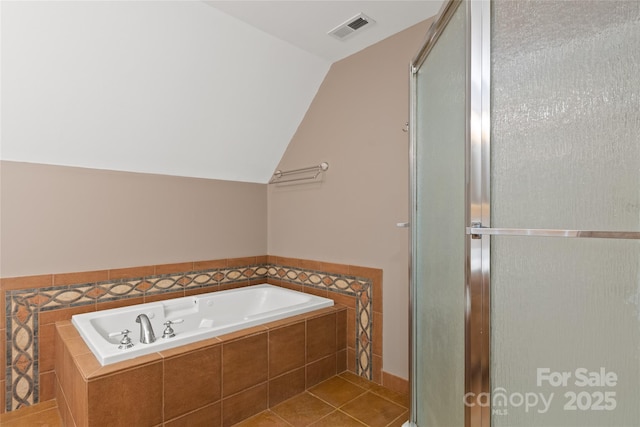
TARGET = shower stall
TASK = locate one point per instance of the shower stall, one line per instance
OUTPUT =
(525, 263)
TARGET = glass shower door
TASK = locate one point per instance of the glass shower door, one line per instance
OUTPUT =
(565, 155)
(438, 219)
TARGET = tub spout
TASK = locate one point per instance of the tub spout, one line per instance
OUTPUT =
(146, 331)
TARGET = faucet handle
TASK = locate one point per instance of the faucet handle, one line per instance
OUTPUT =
(168, 331)
(125, 342)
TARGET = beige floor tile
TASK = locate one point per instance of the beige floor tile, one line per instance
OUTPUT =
(302, 410)
(41, 415)
(357, 380)
(337, 391)
(264, 419)
(373, 410)
(398, 398)
(337, 418)
(399, 422)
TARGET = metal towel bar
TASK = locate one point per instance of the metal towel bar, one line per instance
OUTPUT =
(313, 171)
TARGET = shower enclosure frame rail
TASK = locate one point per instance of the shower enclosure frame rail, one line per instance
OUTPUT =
(477, 297)
(478, 284)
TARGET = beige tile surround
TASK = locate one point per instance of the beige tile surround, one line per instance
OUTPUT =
(223, 380)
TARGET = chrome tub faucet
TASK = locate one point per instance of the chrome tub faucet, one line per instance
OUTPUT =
(146, 330)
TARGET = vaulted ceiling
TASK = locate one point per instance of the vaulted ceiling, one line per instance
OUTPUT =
(210, 89)
(305, 23)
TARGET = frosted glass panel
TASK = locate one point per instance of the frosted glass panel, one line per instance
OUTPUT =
(564, 305)
(565, 154)
(439, 258)
(565, 114)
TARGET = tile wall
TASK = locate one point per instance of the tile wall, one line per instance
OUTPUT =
(31, 306)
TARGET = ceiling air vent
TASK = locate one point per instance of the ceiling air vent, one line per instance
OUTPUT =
(346, 29)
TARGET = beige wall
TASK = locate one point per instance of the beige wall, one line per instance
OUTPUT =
(355, 124)
(57, 219)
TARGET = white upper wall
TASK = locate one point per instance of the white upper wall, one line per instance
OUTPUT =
(176, 88)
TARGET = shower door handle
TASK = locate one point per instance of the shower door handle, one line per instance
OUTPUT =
(476, 232)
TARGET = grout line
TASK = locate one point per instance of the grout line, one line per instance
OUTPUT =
(24, 413)
(372, 390)
(353, 382)
(404, 416)
(357, 397)
(352, 417)
(364, 391)
(283, 420)
(389, 400)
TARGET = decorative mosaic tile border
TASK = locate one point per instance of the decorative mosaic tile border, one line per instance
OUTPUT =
(23, 307)
(358, 287)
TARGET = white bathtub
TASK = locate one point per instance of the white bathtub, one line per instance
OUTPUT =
(203, 316)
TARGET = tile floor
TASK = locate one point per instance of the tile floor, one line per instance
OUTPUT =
(345, 400)
(43, 414)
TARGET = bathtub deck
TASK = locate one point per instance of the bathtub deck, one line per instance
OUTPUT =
(344, 400)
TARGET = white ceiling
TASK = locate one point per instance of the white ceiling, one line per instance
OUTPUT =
(305, 23)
